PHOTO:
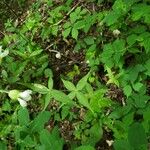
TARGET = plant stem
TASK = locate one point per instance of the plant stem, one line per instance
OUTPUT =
(3, 91)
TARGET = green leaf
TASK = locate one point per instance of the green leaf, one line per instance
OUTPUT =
(67, 25)
(50, 83)
(23, 116)
(39, 88)
(51, 141)
(122, 145)
(72, 95)
(95, 134)
(146, 44)
(137, 86)
(119, 49)
(66, 32)
(140, 100)
(68, 85)
(86, 147)
(83, 100)
(131, 39)
(112, 17)
(3, 146)
(89, 40)
(127, 90)
(137, 136)
(73, 17)
(54, 30)
(107, 55)
(36, 87)
(39, 122)
(139, 11)
(74, 33)
(35, 53)
(81, 84)
(79, 24)
(61, 97)
(48, 98)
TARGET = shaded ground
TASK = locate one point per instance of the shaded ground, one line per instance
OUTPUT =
(12, 9)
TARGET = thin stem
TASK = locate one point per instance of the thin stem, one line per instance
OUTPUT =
(3, 91)
(52, 50)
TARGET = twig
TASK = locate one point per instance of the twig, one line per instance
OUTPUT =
(73, 8)
(49, 46)
(2, 32)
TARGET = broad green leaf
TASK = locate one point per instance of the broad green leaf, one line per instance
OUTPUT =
(55, 30)
(78, 10)
(66, 32)
(131, 39)
(140, 11)
(134, 71)
(127, 90)
(50, 83)
(67, 25)
(107, 55)
(137, 86)
(73, 17)
(79, 24)
(72, 95)
(39, 88)
(3, 146)
(51, 141)
(48, 98)
(36, 52)
(61, 97)
(28, 141)
(140, 100)
(23, 116)
(89, 40)
(95, 134)
(36, 87)
(39, 122)
(147, 66)
(146, 44)
(83, 100)
(82, 82)
(69, 86)
(86, 147)
(112, 17)
(137, 136)
(122, 145)
(74, 33)
(104, 102)
(119, 49)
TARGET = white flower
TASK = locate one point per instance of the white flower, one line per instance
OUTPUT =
(24, 97)
(3, 53)
(58, 55)
(22, 102)
(87, 61)
(116, 32)
(109, 142)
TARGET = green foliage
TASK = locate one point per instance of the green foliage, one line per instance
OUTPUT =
(87, 65)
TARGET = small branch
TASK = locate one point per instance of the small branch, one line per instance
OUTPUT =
(49, 46)
(3, 91)
(73, 8)
(52, 50)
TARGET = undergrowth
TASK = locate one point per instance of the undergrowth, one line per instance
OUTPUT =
(75, 75)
